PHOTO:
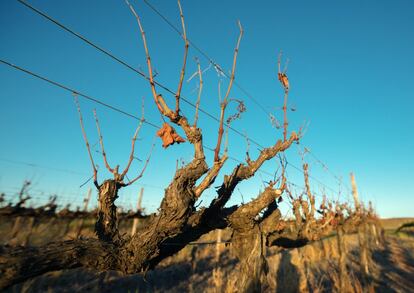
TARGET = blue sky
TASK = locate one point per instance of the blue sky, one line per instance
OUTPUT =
(351, 70)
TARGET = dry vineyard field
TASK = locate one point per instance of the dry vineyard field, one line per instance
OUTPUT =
(208, 265)
(323, 244)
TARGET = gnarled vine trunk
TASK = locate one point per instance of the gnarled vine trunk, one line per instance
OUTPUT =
(248, 245)
(106, 226)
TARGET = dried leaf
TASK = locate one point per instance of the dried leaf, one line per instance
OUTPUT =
(168, 135)
(240, 109)
(283, 80)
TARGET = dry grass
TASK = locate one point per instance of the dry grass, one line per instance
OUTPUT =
(394, 223)
(313, 268)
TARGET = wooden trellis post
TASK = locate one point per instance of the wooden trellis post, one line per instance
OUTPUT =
(29, 227)
(85, 208)
(135, 223)
(362, 235)
(355, 192)
(218, 246)
(343, 274)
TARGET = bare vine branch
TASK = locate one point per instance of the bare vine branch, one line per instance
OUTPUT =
(186, 44)
(311, 197)
(211, 176)
(101, 143)
(143, 168)
(144, 41)
(233, 70)
(95, 172)
(224, 103)
(285, 84)
(134, 138)
(193, 134)
(223, 106)
(200, 89)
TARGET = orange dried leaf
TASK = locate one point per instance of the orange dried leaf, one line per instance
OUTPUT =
(168, 135)
(283, 80)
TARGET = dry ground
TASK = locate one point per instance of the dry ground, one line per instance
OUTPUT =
(212, 268)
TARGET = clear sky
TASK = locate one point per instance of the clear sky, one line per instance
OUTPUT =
(351, 70)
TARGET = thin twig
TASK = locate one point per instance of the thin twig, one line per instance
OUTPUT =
(134, 138)
(84, 183)
(226, 140)
(224, 103)
(219, 91)
(247, 146)
(279, 57)
(95, 179)
(101, 142)
(285, 83)
(236, 51)
(286, 66)
(200, 89)
(223, 106)
(285, 120)
(180, 84)
(143, 169)
(144, 41)
(308, 190)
